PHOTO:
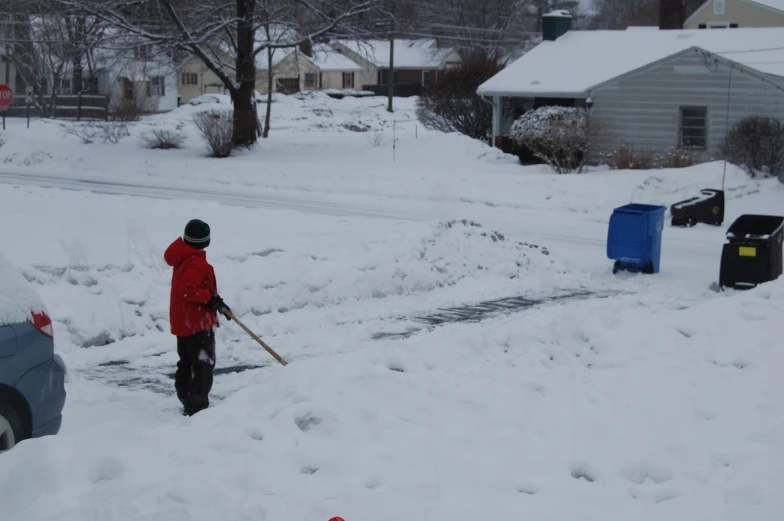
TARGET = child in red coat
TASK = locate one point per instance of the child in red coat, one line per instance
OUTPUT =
(193, 314)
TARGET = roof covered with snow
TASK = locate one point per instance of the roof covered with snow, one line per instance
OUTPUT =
(278, 55)
(409, 54)
(327, 58)
(580, 60)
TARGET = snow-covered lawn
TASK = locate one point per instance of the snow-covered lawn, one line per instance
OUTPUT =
(646, 398)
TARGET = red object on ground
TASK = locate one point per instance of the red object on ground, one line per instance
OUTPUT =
(337, 519)
(6, 96)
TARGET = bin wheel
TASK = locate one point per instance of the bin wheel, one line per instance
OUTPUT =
(616, 267)
(648, 269)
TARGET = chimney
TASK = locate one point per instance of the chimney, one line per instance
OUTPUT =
(555, 24)
(306, 48)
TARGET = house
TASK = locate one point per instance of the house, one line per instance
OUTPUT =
(316, 67)
(649, 88)
(731, 14)
(137, 74)
(143, 77)
(196, 79)
(417, 63)
(309, 67)
(336, 71)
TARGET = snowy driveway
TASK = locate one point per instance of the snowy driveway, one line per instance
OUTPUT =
(368, 274)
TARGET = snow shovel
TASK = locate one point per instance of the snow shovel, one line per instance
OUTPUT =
(230, 315)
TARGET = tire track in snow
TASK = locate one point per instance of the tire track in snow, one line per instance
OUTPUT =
(529, 223)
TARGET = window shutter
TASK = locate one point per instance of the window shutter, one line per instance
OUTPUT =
(352, 80)
(702, 26)
(163, 85)
(149, 87)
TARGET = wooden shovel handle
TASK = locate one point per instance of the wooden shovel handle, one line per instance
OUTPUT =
(277, 357)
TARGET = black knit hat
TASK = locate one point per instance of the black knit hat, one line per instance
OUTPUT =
(197, 234)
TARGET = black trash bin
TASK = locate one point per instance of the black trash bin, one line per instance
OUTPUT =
(707, 208)
(752, 254)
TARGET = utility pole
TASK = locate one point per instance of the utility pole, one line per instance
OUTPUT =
(391, 78)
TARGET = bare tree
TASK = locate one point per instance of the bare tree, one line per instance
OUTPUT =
(201, 28)
(46, 43)
(451, 105)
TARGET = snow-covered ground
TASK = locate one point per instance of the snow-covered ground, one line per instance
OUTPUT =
(646, 398)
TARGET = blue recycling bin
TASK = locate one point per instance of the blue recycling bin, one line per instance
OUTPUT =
(634, 237)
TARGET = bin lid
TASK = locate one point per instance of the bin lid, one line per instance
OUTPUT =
(750, 226)
(637, 208)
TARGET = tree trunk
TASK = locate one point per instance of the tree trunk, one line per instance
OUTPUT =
(77, 44)
(268, 115)
(245, 121)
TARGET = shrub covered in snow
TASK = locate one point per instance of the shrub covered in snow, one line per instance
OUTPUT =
(675, 157)
(106, 132)
(160, 139)
(452, 105)
(756, 144)
(217, 128)
(556, 135)
(625, 157)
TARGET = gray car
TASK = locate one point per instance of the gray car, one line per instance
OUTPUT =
(32, 376)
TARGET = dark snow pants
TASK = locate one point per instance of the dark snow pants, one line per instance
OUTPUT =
(193, 379)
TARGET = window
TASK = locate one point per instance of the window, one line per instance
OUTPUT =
(65, 86)
(190, 78)
(719, 25)
(396, 78)
(694, 124)
(310, 80)
(719, 6)
(156, 86)
(427, 78)
(142, 52)
(348, 80)
(452, 65)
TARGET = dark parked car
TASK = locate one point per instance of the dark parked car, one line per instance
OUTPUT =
(32, 376)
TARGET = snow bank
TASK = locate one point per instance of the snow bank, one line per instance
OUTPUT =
(17, 297)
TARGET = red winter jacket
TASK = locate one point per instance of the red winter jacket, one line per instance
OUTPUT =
(193, 284)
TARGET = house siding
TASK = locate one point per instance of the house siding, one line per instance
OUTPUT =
(642, 110)
(738, 12)
(206, 81)
(369, 72)
(334, 80)
(292, 66)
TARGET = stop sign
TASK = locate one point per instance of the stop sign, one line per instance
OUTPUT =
(6, 96)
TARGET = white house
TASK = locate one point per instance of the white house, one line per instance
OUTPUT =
(319, 67)
(416, 62)
(648, 88)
